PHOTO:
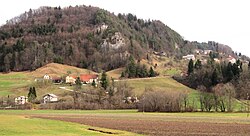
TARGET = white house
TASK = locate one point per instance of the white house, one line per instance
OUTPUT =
(46, 77)
(70, 79)
(21, 100)
(206, 52)
(50, 98)
(189, 57)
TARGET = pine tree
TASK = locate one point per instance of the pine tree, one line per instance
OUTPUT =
(230, 73)
(78, 85)
(214, 78)
(198, 64)
(122, 74)
(151, 72)
(93, 83)
(32, 94)
(104, 80)
(190, 67)
(34, 91)
(131, 69)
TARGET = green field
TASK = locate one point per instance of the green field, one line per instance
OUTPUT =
(9, 83)
(158, 83)
(134, 114)
(19, 125)
(46, 122)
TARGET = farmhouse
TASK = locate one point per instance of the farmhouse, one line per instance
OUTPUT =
(46, 77)
(48, 98)
(21, 100)
(70, 79)
(85, 78)
(88, 78)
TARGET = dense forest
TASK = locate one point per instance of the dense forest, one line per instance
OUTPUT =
(218, 79)
(86, 37)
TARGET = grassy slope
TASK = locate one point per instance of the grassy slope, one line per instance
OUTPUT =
(17, 83)
(12, 82)
(116, 73)
(159, 83)
(17, 125)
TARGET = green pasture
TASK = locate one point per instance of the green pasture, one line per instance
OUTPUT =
(17, 125)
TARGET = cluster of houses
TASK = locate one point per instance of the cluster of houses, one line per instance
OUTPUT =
(207, 52)
(47, 98)
(70, 79)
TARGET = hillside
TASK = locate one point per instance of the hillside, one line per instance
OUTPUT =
(87, 37)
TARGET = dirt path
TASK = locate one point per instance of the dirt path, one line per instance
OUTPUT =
(158, 127)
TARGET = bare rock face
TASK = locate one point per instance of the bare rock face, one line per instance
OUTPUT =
(114, 42)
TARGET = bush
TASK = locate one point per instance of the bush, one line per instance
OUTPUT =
(161, 101)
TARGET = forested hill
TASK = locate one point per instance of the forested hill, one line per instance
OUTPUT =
(83, 36)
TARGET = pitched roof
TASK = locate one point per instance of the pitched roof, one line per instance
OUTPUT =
(52, 95)
(87, 77)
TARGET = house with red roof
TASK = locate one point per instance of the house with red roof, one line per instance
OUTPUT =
(85, 78)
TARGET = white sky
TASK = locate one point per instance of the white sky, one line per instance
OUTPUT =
(223, 21)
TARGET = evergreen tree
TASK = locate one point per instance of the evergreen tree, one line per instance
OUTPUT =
(32, 94)
(104, 80)
(93, 83)
(230, 73)
(214, 77)
(190, 67)
(122, 74)
(131, 69)
(78, 85)
(198, 64)
(151, 72)
(34, 91)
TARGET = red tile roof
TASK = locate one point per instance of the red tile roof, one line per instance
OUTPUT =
(86, 77)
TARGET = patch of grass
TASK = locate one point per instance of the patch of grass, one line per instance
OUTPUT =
(22, 112)
(20, 126)
(116, 73)
(171, 72)
(11, 81)
(161, 83)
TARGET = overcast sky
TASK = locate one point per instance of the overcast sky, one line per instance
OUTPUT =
(224, 21)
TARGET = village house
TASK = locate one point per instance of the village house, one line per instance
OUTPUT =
(206, 52)
(189, 57)
(49, 98)
(231, 59)
(46, 77)
(21, 100)
(85, 78)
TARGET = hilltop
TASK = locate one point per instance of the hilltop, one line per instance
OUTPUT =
(55, 69)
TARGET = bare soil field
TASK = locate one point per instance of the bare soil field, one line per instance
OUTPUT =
(162, 125)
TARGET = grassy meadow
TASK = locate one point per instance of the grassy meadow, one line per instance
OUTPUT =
(19, 125)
